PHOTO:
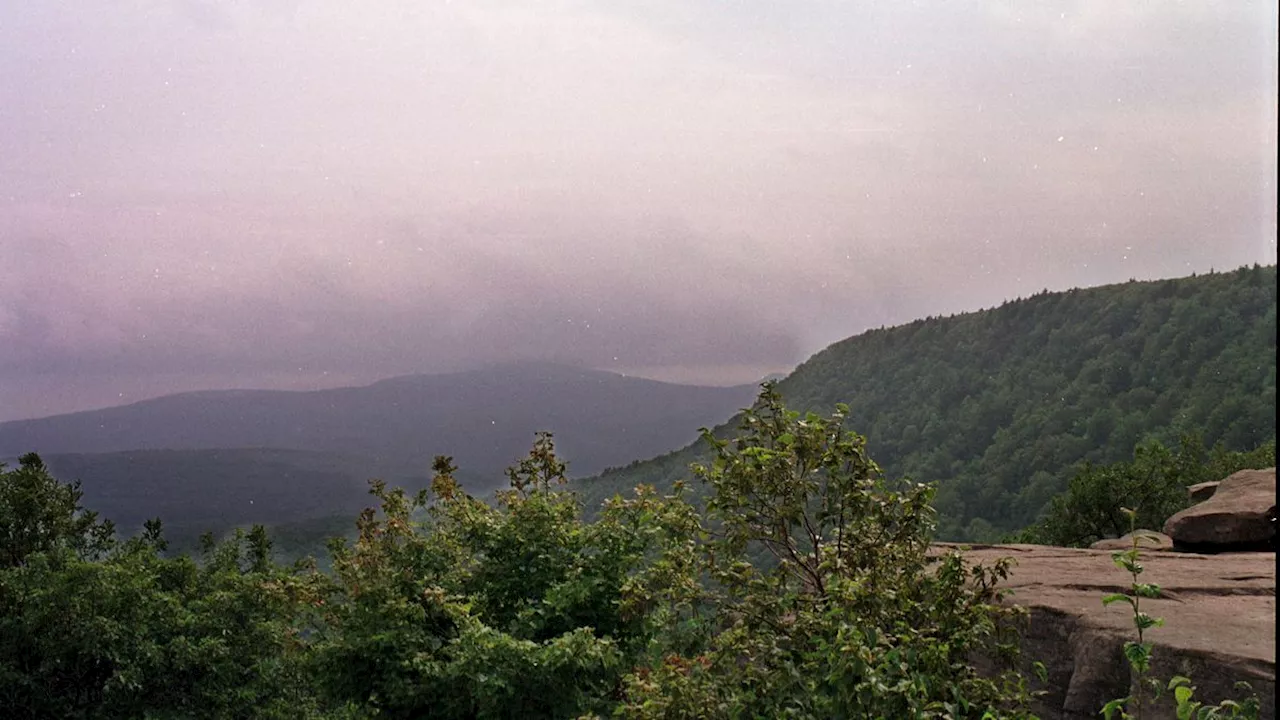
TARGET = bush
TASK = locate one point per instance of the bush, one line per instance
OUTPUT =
(1153, 484)
(848, 619)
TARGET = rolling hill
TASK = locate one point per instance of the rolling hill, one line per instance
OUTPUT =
(484, 418)
(999, 406)
(212, 460)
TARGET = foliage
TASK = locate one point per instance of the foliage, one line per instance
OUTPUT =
(39, 515)
(849, 621)
(1138, 653)
(999, 407)
(138, 635)
(1154, 484)
(446, 606)
(450, 607)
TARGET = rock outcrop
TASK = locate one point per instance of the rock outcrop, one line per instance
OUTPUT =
(1219, 612)
(1203, 491)
(1241, 515)
(1149, 540)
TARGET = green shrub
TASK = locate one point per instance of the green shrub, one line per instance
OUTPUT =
(849, 619)
(1153, 484)
(1138, 653)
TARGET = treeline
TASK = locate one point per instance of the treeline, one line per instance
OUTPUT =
(447, 606)
(1000, 407)
(1153, 485)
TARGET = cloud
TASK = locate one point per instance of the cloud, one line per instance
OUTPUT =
(388, 297)
(249, 193)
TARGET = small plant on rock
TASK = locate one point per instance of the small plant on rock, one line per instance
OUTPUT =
(1138, 652)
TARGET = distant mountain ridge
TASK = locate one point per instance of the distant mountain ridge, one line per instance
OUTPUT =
(998, 406)
(484, 418)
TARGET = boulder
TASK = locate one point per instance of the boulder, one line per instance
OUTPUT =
(1219, 612)
(1203, 491)
(1149, 540)
(1239, 516)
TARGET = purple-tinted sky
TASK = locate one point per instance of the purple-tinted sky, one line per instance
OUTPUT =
(295, 193)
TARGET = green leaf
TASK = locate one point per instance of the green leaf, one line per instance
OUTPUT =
(1183, 693)
(1109, 710)
(1187, 710)
(1147, 590)
(1138, 654)
(1145, 621)
(1116, 597)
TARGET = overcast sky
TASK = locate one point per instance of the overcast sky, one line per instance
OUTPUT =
(297, 193)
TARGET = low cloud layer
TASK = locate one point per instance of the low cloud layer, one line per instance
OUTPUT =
(294, 194)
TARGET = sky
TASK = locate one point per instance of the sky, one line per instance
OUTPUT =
(202, 194)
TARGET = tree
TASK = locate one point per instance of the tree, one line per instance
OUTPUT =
(39, 514)
(94, 628)
(823, 600)
(446, 606)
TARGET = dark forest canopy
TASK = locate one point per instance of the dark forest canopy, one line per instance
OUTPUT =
(999, 407)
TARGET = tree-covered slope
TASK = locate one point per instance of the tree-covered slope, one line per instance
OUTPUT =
(999, 406)
(198, 491)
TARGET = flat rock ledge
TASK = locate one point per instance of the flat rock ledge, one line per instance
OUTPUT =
(1219, 612)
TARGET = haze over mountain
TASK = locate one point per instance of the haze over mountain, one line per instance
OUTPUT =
(295, 194)
(485, 419)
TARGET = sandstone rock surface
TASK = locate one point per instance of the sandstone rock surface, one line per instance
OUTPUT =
(1240, 516)
(1219, 611)
(1203, 491)
(1150, 540)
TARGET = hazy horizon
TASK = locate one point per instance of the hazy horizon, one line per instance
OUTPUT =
(202, 194)
(725, 376)
(669, 375)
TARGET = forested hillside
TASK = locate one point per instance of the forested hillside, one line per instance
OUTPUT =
(199, 491)
(1000, 406)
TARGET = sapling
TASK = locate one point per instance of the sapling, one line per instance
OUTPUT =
(1138, 653)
